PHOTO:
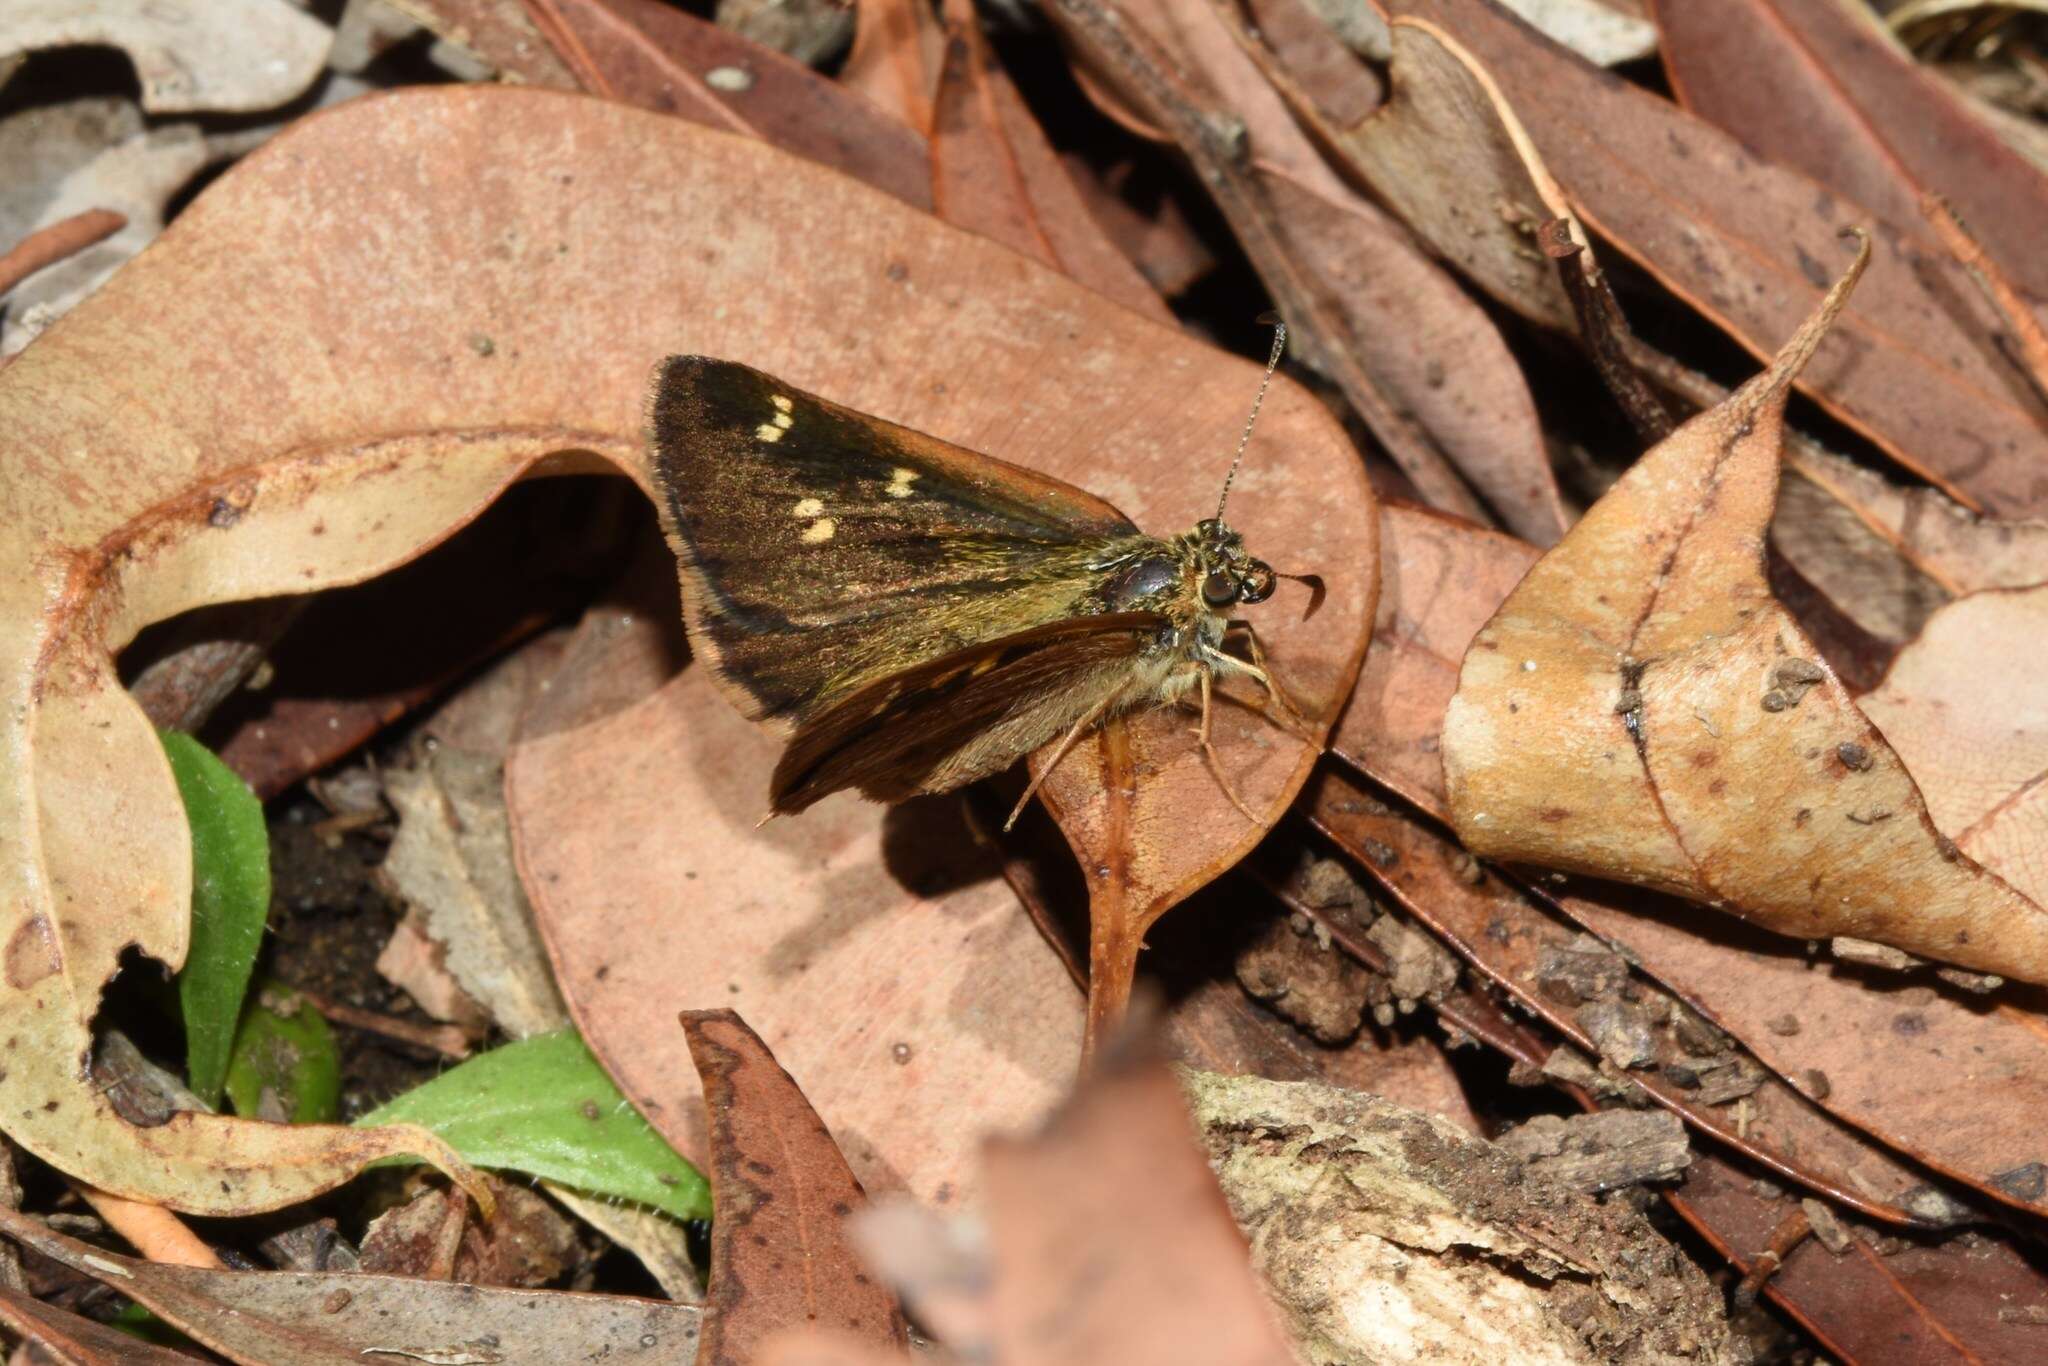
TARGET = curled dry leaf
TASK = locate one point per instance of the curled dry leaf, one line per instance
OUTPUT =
(223, 56)
(781, 1193)
(444, 378)
(1907, 1093)
(291, 1318)
(1641, 708)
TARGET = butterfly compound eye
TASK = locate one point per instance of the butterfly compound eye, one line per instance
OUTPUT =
(1257, 584)
(1219, 589)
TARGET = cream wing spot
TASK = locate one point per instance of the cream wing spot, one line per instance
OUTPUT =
(819, 532)
(768, 431)
(807, 507)
(782, 403)
(900, 481)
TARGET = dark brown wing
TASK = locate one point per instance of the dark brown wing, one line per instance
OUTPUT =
(823, 548)
(948, 721)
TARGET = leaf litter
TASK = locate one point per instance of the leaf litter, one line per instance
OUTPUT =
(1889, 556)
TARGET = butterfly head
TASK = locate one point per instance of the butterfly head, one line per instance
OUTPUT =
(1228, 575)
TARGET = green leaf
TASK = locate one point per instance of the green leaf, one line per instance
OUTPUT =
(544, 1107)
(230, 900)
(284, 1050)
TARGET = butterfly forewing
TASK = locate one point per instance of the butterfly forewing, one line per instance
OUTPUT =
(965, 715)
(824, 549)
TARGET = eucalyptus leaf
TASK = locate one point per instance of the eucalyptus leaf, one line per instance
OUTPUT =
(543, 1106)
(230, 900)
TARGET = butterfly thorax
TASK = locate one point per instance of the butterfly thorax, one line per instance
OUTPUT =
(1192, 581)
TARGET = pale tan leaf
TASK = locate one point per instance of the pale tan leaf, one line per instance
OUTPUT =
(1966, 706)
(1641, 708)
(225, 56)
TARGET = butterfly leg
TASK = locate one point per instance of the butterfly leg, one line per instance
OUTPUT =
(1209, 750)
(1283, 712)
(1088, 718)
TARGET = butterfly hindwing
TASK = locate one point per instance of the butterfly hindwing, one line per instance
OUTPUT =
(824, 549)
(965, 715)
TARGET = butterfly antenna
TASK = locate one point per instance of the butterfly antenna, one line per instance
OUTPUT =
(1272, 364)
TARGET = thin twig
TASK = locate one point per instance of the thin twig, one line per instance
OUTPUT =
(1604, 330)
(447, 1039)
(1790, 1232)
(50, 245)
(2029, 339)
(152, 1230)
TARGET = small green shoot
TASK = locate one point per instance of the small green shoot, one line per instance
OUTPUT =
(230, 900)
(285, 1065)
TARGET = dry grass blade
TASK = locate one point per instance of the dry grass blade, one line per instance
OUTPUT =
(1710, 754)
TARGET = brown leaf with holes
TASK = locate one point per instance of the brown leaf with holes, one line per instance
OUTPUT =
(1641, 708)
(781, 1196)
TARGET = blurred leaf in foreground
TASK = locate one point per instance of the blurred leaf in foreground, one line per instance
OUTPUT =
(544, 1107)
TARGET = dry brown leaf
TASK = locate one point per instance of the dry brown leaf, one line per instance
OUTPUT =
(1817, 87)
(1916, 361)
(1520, 945)
(658, 57)
(781, 1194)
(443, 378)
(1168, 103)
(224, 56)
(1966, 707)
(1440, 579)
(1958, 1300)
(1641, 708)
(995, 173)
(635, 835)
(289, 1318)
(1377, 302)
(897, 52)
(76, 1340)
(1436, 154)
